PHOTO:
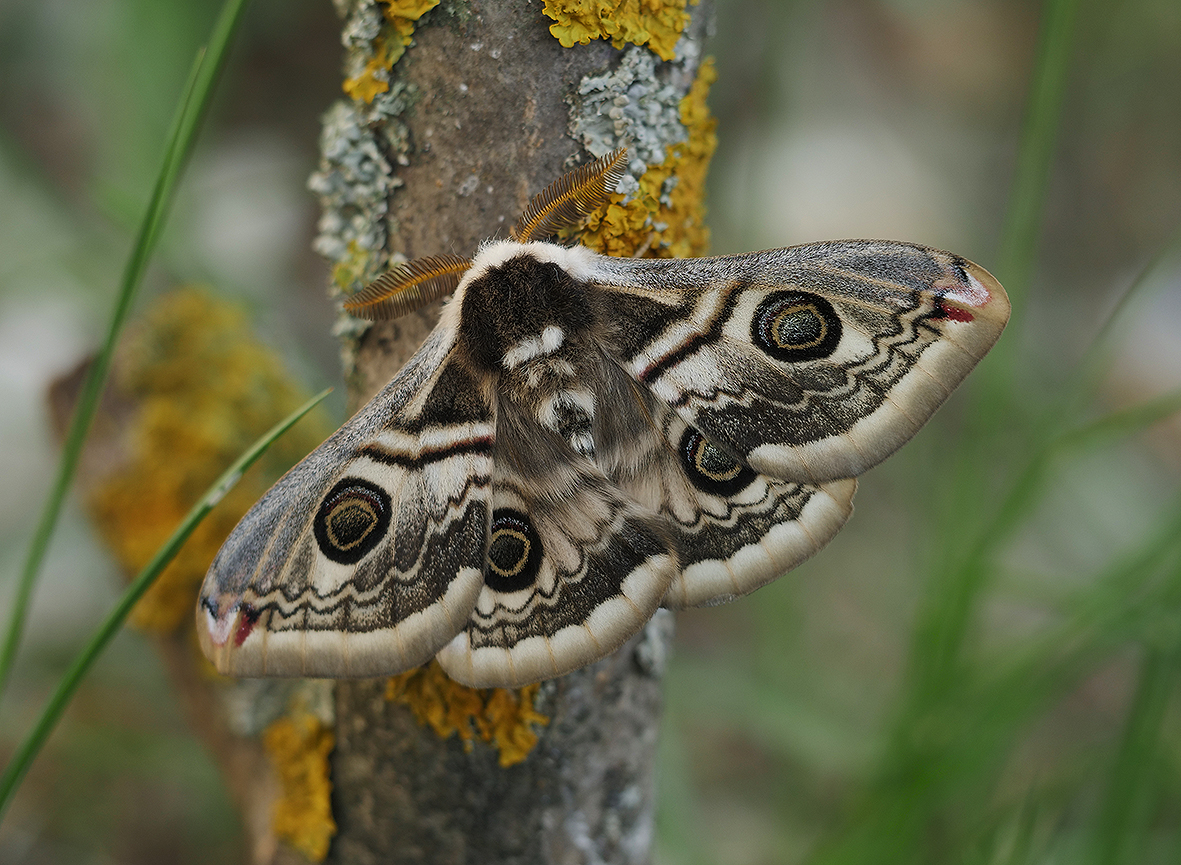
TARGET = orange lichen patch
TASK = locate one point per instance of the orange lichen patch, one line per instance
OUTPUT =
(665, 230)
(200, 389)
(388, 47)
(298, 746)
(499, 716)
(374, 78)
(406, 10)
(446, 706)
(655, 23)
(508, 721)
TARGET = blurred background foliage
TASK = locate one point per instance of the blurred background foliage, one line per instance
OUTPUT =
(982, 667)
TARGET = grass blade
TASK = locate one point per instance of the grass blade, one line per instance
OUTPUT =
(1137, 766)
(31, 746)
(1039, 135)
(1027, 201)
(194, 102)
(903, 800)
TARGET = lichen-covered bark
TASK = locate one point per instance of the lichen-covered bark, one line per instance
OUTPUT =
(476, 118)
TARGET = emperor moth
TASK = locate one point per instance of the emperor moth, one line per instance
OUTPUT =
(583, 438)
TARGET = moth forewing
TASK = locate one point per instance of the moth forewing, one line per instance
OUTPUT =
(367, 555)
(804, 361)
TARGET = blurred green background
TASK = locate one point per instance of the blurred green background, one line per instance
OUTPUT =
(983, 667)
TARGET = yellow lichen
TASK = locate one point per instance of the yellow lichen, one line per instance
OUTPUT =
(676, 229)
(655, 23)
(374, 78)
(199, 388)
(298, 746)
(507, 722)
(388, 47)
(409, 10)
(499, 716)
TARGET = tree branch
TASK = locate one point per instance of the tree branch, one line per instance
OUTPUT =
(477, 118)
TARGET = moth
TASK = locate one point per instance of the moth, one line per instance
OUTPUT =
(584, 438)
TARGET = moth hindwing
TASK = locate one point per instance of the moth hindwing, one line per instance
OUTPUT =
(584, 438)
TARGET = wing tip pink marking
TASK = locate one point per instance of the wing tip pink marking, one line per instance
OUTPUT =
(247, 619)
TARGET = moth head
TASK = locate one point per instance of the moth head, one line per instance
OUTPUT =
(523, 301)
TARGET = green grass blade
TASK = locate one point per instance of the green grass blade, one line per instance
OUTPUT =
(1025, 491)
(1122, 423)
(1027, 200)
(88, 403)
(1136, 768)
(953, 600)
(966, 731)
(14, 772)
(1096, 362)
(1035, 156)
(194, 102)
(918, 767)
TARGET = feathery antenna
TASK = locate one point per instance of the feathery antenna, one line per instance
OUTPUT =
(571, 197)
(408, 286)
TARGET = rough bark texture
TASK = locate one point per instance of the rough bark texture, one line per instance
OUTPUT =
(584, 794)
(489, 130)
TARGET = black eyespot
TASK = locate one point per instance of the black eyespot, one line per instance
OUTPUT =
(352, 519)
(796, 325)
(711, 469)
(514, 555)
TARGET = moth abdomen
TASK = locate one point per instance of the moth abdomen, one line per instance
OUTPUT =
(570, 413)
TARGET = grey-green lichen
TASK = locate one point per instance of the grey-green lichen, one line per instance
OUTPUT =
(362, 142)
(637, 104)
(656, 108)
(652, 650)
